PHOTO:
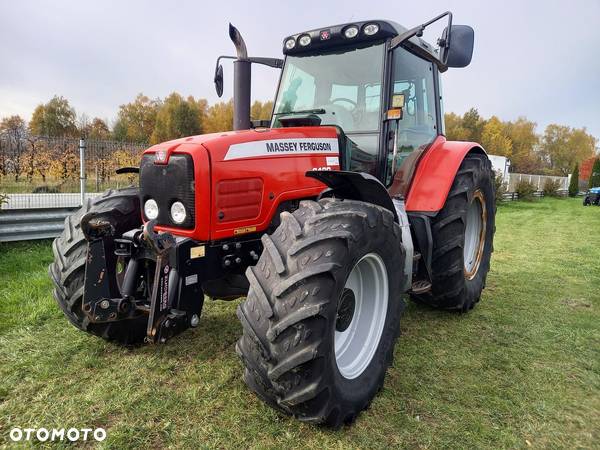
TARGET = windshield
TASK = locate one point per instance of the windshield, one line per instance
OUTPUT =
(342, 88)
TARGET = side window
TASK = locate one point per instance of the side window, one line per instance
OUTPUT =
(412, 78)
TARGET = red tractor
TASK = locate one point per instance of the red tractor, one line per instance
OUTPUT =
(324, 218)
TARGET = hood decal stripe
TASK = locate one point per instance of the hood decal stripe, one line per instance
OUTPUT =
(277, 147)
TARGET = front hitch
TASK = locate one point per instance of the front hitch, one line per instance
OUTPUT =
(168, 303)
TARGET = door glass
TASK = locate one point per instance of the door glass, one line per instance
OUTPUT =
(413, 78)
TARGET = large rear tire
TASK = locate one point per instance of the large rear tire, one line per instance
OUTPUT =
(122, 209)
(323, 310)
(463, 233)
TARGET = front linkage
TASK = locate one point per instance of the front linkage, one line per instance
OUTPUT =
(141, 273)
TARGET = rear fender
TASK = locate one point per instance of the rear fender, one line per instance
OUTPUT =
(435, 174)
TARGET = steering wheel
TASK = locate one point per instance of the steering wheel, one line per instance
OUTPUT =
(347, 100)
(355, 111)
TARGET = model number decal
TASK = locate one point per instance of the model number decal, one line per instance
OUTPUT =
(282, 147)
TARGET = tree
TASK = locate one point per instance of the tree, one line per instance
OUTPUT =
(13, 126)
(13, 130)
(574, 183)
(595, 176)
(136, 120)
(494, 139)
(563, 146)
(473, 123)
(523, 158)
(454, 129)
(261, 111)
(12, 147)
(219, 117)
(177, 118)
(55, 118)
(98, 130)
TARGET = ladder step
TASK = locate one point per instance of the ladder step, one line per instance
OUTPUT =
(421, 286)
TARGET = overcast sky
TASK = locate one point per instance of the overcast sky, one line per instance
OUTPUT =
(534, 58)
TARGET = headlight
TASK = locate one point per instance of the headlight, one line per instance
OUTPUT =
(351, 31)
(370, 29)
(178, 213)
(151, 209)
(290, 43)
(304, 40)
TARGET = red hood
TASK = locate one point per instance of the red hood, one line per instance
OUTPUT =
(288, 141)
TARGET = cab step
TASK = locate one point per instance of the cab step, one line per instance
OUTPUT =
(420, 287)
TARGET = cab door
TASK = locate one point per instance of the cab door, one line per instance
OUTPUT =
(412, 89)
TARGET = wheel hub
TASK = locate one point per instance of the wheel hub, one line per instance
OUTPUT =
(345, 311)
(362, 309)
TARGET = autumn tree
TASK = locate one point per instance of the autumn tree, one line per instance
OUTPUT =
(13, 129)
(473, 123)
(261, 111)
(55, 118)
(177, 117)
(219, 117)
(98, 130)
(494, 138)
(521, 133)
(454, 129)
(136, 120)
(12, 159)
(563, 147)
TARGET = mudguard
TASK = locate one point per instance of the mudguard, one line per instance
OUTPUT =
(435, 174)
(356, 186)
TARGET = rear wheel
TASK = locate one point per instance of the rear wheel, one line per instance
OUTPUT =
(463, 233)
(122, 209)
(322, 313)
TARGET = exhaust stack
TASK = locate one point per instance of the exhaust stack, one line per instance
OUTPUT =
(242, 77)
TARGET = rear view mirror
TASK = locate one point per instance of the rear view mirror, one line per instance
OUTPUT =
(219, 80)
(460, 49)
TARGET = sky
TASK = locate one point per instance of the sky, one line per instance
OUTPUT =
(537, 59)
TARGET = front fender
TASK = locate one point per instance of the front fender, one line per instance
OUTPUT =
(435, 174)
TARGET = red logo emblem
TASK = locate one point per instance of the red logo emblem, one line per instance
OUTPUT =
(325, 35)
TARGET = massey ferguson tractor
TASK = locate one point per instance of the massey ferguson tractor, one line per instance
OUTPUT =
(324, 218)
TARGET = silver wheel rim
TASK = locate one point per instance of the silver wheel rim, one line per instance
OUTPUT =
(474, 234)
(356, 345)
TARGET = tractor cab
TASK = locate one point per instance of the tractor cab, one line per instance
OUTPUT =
(377, 82)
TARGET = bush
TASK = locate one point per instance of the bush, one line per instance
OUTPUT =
(551, 188)
(500, 187)
(525, 189)
(3, 199)
(574, 184)
(45, 190)
(595, 177)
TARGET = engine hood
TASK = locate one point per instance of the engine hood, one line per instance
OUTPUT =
(258, 143)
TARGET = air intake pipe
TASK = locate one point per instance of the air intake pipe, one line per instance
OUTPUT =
(242, 78)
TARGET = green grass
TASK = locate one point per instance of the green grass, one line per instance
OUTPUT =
(521, 369)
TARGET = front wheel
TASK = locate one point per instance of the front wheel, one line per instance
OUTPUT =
(122, 209)
(323, 310)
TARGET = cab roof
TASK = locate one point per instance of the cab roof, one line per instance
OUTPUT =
(331, 37)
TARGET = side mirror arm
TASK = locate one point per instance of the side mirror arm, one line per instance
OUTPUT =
(418, 31)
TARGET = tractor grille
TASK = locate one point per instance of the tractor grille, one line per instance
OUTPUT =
(167, 184)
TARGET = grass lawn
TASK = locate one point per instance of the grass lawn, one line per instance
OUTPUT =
(522, 369)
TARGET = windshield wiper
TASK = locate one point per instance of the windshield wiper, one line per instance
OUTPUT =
(305, 111)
